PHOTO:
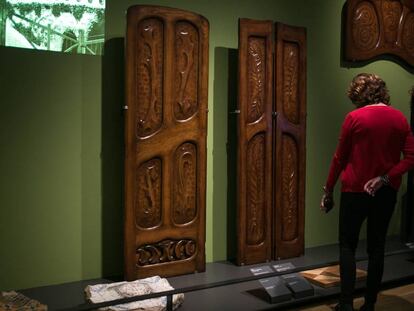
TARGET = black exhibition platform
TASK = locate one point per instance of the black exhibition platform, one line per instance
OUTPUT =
(225, 286)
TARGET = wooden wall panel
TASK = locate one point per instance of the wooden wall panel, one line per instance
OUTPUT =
(254, 141)
(289, 141)
(165, 134)
(379, 27)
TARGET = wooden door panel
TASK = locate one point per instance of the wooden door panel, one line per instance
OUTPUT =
(289, 141)
(254, 141)
(165, 133)
(379, 28)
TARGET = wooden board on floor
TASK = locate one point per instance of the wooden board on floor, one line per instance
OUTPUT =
(328, 276)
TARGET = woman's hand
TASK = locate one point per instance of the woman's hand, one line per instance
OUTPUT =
(327, 201)
(372, 185)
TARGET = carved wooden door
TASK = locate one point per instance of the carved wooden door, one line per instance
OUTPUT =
(271, 141)
(165, 132)
(289, 141)
(255, 141)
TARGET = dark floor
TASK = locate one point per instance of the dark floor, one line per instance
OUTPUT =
(396, 299)
(244, 295)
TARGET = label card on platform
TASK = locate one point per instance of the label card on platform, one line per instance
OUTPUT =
(284, 267)
(261, 270)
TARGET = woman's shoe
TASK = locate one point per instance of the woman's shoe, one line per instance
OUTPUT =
(344, 307)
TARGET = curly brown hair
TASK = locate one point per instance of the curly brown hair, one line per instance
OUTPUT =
(367, 89)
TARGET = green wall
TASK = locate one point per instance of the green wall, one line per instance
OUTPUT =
(61, 140)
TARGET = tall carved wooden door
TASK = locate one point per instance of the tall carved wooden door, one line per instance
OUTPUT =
(254, 154)
(271, 141)
(165, 133)
(289, 141)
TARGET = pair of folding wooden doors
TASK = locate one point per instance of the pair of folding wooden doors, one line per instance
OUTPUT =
(165, 133)
(271, 141)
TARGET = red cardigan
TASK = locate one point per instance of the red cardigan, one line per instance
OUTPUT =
(370, 144)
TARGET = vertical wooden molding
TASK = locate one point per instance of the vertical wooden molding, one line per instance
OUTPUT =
(165, 135)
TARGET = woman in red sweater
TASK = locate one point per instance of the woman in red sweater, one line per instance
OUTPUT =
(368, 159)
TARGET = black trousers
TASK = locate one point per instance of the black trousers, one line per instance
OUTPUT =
(354, 209)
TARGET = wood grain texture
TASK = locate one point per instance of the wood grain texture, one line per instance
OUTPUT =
(254, 164)
(289, 141)
(165, 141)
(379, 27)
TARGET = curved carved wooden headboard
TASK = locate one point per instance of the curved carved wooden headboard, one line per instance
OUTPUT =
(379, 27)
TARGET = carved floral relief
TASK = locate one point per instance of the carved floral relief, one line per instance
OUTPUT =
(256, 74)
(185, 184)
(290, 81)
(148, 194)
(289, 188)
(255, 190)
(150, 61)
(186, 70)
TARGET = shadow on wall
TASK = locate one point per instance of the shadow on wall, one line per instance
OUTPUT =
(224, 171)
(232, 155)
(112, 157)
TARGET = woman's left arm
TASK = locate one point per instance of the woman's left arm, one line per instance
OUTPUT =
(338, 163)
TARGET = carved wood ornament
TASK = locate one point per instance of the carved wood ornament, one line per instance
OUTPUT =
(378, 27)
(165, 135)
(271, 141)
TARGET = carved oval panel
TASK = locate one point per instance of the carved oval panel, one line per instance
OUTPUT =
(289, 188)
(291, 81)
(165, 251)
(365, 31)
(391, 14)
(185, 184)
(186, 70)
(149, 64)
(148, 194)
(255, 203)
(408, 33)
(256, 83)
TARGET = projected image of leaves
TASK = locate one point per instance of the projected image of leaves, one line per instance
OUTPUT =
(71, 26)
